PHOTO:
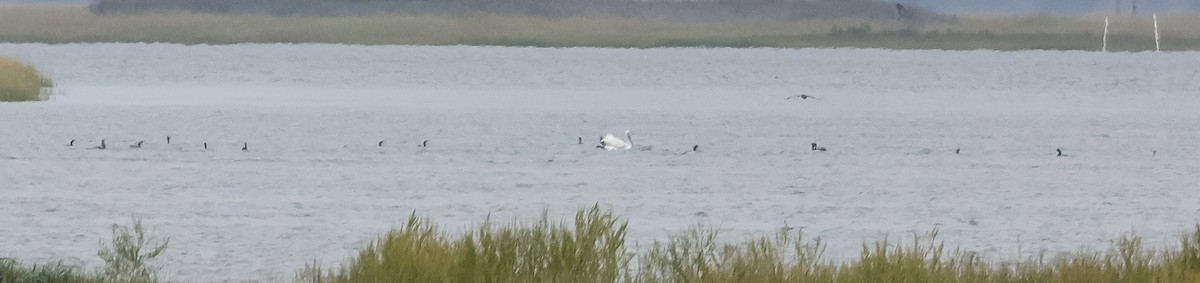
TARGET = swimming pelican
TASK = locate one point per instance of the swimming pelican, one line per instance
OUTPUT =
(138, 145)
(610, 142)
(815, 148)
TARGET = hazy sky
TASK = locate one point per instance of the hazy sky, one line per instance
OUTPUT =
(1056, 6)
(982, 6)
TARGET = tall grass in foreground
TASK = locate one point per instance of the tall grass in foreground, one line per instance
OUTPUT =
(593, 249)
(20, 81)
(127, 259)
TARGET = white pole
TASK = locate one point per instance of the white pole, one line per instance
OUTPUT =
(1104, 48)
(1156, 46)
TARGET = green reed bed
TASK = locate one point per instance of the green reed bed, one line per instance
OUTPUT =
(593, 249)
(74, 24)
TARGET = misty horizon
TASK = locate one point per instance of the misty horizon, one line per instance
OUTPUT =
(1019, 7)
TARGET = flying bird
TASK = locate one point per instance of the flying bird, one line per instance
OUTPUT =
(802, 97)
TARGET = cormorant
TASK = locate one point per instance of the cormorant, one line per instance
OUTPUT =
(815, 148)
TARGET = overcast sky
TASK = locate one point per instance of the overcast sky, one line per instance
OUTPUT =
(983, 6)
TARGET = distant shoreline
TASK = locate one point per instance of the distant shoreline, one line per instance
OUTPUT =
(74, 24)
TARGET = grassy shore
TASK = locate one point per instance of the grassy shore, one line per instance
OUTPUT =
(74, 24)
(592, 248)
(20, 81)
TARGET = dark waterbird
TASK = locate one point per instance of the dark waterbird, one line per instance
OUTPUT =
(137, 145)
(380, 143)
(815, 148)
(72, 143)
(102, 145)
(245, 146)
(801, 96)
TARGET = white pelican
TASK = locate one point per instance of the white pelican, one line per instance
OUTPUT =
(610, 142)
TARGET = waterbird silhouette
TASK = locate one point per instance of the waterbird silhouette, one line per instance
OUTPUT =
(815, 148)
(137, 145)
(380, 143)
(102, 145)
(802, 97)
(72, 143)
(245, 146)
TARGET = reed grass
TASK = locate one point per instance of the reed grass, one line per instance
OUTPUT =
(593, 249)
(12, 271)
(20, 81)
(74, 24)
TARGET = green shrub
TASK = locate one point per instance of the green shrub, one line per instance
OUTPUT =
(20, 82)
(127, 258)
